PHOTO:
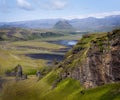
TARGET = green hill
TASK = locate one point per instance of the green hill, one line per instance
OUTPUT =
(27, 34)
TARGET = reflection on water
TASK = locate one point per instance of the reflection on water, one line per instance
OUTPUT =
(68, 43)
(72, 43)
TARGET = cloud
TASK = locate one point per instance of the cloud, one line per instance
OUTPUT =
(54, 4)
(96, 15)
(104, 14)
(24, 4)
(58, 4)
(32, 4)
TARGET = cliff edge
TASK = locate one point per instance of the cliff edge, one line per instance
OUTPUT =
(94, 61)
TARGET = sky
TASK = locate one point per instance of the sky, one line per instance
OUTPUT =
(22, 10)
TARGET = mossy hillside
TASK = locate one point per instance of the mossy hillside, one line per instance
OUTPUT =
(68, 89)
(106, 92)
(32, 88)
(23, 90)
(63, 90)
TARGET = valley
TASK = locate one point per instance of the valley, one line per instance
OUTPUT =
(38, 52)
(60, 62)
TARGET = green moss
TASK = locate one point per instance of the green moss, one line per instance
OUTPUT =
(31, 71)
(51, 77)
(63, 89)
(67, 89)
(100, 93)
(23, 90)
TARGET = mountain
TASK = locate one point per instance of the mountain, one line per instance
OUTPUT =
(86, 24)
(97, 24)
(43, 24)
(63, 25)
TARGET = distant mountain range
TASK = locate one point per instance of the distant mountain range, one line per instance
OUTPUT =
(86, 24)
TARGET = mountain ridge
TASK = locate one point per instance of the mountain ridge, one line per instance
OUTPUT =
(85, 24)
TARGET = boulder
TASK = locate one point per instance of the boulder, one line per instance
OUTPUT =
(19, 72)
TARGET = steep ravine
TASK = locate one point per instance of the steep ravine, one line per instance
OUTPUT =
(94, 61)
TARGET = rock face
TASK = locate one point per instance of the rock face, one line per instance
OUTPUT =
(103, 66)
(95, 60)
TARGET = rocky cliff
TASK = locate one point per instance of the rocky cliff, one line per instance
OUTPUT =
(95, 60)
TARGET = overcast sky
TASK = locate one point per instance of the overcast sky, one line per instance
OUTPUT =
(20, 10)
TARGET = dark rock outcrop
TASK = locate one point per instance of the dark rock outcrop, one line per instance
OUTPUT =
(38, 74)
(19, 72)
(95, 60)
(2, 81)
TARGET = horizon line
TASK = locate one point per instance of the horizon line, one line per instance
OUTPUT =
(97, 16)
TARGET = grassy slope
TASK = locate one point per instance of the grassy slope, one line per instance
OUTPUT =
(106, 92)
(70, 89)
(67, 89)
(41, 44)
(11, 55)
(9, 60)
